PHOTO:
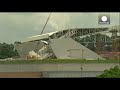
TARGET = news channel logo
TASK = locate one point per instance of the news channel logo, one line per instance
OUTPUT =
(104, 19)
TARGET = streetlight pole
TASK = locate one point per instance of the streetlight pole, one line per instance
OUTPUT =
(82, 54)
(81, 63)
(119, 40)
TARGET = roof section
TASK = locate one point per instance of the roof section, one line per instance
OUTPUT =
(37, 37)
(67, 48)
(71, 32)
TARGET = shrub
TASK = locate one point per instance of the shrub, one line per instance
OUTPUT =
(111, 73)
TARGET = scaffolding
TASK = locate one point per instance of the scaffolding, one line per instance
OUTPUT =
(114, 42)
(98, 44)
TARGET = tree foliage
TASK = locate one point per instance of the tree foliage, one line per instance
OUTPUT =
(111, 73)
(7, 51)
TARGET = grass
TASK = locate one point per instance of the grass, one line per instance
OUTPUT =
(57, 61)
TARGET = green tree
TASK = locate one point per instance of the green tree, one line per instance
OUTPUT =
(7, 51)
(17, 42)
(111, 73)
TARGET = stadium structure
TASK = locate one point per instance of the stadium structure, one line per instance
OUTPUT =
(62, 44)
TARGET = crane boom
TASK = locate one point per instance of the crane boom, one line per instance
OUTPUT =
(46, 23)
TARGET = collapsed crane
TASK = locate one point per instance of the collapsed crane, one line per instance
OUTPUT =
(41, 54)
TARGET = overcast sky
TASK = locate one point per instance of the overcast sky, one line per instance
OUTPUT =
(19, 26)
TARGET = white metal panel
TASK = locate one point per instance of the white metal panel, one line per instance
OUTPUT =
(62, 47)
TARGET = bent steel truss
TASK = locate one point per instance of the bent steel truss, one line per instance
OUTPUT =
(36, 43)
